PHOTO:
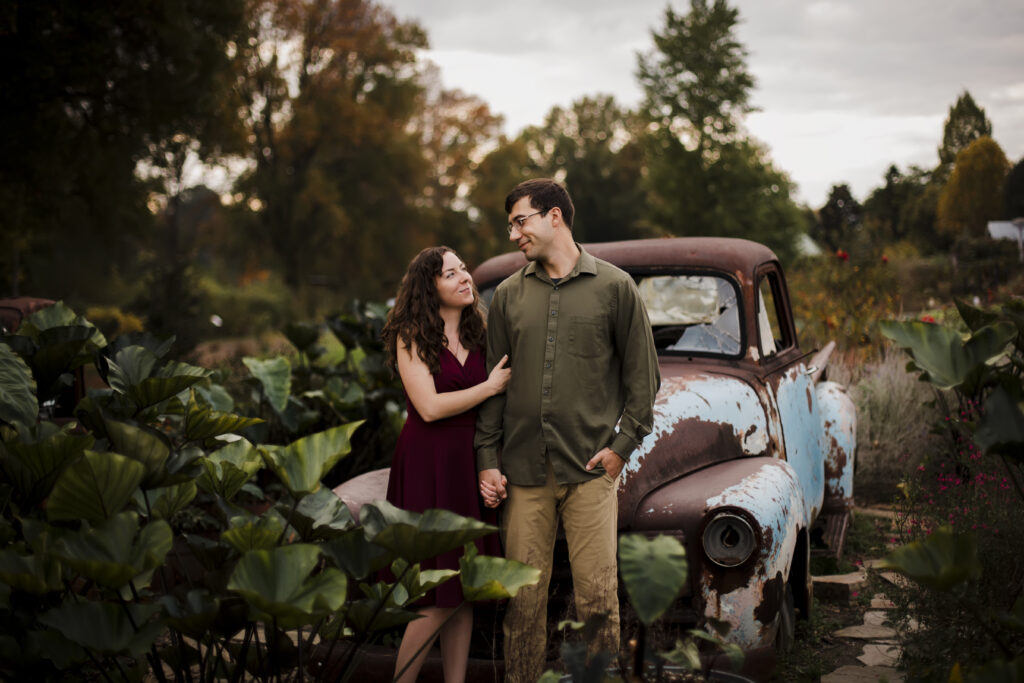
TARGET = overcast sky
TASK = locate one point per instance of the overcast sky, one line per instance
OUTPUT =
(844, 88)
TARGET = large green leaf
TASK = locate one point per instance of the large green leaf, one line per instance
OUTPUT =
(368, 615)
(17, 389)
(155, 390)
(194, 615)
(115, 552)
(355, 554)
(94, 488)
(36, 573)
(942, 560)
(304, 337)
(485, 577)
(59, 315)
(302, 464)
(203, 423)
(170, 500)
(34, 467)
(130, 366)
(1001, 429)
(318, 516)
(227, 469)
(106, 627)
(275, 376)
(61, 350)
(145, 447)
(653, 571)
(413, 583)
(976, 318)
(276, 583)
(945, 357)
(52, 645)
(253, 533)
(416, 537)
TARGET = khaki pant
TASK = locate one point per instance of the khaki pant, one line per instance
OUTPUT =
(589, 514)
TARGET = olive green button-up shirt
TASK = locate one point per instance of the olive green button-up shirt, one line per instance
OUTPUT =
(583, 362)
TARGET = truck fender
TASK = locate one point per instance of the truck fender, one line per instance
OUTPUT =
(839, 444)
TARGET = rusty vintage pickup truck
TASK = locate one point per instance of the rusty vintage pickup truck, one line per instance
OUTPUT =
(750, 463)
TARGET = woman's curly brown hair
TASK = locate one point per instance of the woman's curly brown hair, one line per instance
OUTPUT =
(416, 315)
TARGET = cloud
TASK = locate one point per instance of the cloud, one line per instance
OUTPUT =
(845, 88)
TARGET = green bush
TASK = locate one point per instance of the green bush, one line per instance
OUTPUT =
(150, 540)
(963, 518)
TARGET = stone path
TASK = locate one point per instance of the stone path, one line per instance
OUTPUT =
(881, 653)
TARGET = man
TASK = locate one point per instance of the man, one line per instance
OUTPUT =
(583, 361)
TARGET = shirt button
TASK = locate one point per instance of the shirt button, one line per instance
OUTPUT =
(547, 391)
(551, 339)
(554, 314)
(547, 364)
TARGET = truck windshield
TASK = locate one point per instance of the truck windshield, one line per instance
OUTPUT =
(692, 313)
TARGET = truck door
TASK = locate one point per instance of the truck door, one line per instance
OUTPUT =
(791, 387)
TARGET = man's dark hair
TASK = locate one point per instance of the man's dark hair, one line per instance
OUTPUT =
(545, 194)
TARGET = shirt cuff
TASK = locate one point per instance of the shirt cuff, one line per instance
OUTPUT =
(487, 459)
(623, 445)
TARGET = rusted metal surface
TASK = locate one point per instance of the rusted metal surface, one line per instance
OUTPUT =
(839, 441)
(13, 311)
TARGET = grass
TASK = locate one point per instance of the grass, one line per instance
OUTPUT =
(895, 415)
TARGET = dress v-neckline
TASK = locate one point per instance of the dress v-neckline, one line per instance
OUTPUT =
(461, 363)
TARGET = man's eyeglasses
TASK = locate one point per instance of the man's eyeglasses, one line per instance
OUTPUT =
(520, 221)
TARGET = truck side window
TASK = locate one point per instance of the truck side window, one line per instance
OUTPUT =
(769, 332)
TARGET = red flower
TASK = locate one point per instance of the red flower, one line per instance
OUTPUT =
(927, 319)
(885, 259)
(842, 255)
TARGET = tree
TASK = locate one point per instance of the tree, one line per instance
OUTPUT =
(453, 127)
(839, 218)
(1013, 192)
(704, 177)
(339, 170)
(696, 81)
(504, 167)
(965, 124)
(594, 148)
(972, 196)
(93, 91)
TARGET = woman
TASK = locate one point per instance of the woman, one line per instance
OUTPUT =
(435, 337)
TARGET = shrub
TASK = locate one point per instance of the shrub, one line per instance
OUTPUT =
(895, 412)
(963, 519)
(840, 297)
(138, 543)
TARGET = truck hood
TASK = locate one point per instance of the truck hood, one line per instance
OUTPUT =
(699, 420)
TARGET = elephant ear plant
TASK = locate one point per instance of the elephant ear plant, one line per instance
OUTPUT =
(138, 543)
(654, 571)
(982, 370)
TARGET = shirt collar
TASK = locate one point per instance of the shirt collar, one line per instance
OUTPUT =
(585, 265)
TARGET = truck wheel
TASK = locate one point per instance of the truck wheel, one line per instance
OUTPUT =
(786, 635)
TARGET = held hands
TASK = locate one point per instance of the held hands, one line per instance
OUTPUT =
(498, 378)
(611, 461)
(492, 487)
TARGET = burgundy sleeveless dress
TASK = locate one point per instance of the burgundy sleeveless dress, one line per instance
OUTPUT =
(435, 467)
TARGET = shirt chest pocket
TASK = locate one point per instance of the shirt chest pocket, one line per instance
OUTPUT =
(589, 337)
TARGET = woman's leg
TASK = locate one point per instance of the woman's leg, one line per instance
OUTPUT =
(419, 633)
(455, 637)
